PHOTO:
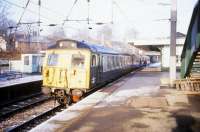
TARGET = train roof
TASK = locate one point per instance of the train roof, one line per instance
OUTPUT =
(82, 44)
(102, 49)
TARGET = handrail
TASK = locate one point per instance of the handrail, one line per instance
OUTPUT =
(190, 28)
(192, 43)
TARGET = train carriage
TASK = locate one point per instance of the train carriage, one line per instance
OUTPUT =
(72, 68)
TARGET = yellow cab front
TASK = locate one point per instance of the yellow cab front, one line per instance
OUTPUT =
(66, 69)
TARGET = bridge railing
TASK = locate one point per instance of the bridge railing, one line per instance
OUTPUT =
(192, 43)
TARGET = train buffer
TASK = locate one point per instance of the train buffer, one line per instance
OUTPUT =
(133, 103)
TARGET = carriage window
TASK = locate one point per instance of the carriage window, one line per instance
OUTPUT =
(52, 60)
(109, 63)
(93, 60)
(121, 59)
(113, 62)
(105, 66)
(26, 60)
(78, 60)
(118, 62)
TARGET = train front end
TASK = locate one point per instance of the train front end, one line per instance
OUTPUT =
(66, 74)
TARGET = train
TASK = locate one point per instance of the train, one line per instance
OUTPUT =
(72, 68)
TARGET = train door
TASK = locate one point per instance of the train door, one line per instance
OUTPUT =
(78, 72)
(35, 63)
(99, 69)
(94, 69)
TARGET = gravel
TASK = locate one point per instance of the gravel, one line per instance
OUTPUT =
(27, 114)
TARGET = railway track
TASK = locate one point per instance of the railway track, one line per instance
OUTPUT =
(12, 108)
(46, 113)
(14, 115)
(27, 125)
(5, 104)
(36, 114)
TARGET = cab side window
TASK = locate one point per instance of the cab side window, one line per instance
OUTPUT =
(78, 60)
(52, 60)
(26, 60)
(94, 61)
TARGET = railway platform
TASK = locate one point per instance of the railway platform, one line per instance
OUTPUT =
(19, 88)
(20, 80)
(136, 103)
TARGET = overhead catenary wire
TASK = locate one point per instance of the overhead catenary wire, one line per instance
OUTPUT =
(27, 3)
(47, 18)
(48, 9)
(39, 7)
(88, 19)
(69, 13)
(31, 11)
(122, 12)
(37, 13)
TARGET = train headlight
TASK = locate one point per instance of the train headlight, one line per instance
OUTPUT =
(52, 90)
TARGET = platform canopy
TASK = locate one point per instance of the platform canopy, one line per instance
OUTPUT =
(156, 42)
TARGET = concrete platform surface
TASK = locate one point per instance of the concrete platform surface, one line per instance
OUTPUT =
(26, 79)
(135, 103)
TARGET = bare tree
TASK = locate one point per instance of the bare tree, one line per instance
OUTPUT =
(6, 24)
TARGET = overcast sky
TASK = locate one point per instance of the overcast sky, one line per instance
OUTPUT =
(141, 15)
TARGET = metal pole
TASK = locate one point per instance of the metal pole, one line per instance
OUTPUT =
(38, 34)
(173, 42)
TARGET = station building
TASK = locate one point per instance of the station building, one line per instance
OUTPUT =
(28, 63)
(159, 49)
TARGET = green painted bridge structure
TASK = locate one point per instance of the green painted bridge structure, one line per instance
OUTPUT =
(190, 58)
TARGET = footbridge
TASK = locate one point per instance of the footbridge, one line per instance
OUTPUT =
(190, 57)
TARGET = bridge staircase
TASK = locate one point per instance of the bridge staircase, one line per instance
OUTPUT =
(190, 58)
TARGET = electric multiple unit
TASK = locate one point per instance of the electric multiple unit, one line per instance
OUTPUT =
(72, 68)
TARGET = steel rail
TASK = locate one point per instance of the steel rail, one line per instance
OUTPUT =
(34, 121)
(22, 105)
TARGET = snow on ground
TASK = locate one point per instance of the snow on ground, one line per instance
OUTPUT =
(138, 85)
(26, 79)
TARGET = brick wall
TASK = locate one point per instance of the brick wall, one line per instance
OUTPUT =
(33, 47)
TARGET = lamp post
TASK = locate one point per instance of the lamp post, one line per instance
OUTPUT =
(172, 61)
(173, 19)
